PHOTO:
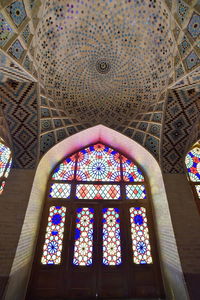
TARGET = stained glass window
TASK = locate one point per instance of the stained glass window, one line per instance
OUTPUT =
(83, 247)
(60, 190)
(111, 237)
(192, 161)
(130, 171)
(89, 180)
(5, 164)
(98, 191)
(2, 186)
(5, 154)
(65, 171)
(8, 168)
(198, 190)
(98, 163)
(140, 236)
(135, 192)
(52, 248)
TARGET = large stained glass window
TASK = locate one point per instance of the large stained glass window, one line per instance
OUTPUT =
(192, 162)
(5, 163)
(96, 216)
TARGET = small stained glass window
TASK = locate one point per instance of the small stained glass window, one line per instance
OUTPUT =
(198, 190)
(65, 170)
(5, 164)
(8, 168)
(60, 190)
(192, 162)
(83, 246)
(98, 191)
(98, 163)
(5, 154)
(111, 237)
(135, 191)
(140, 236)
(52, 248)
(2, 186)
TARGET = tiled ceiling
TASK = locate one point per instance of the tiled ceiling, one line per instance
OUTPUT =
(132, 65)
(104, 60)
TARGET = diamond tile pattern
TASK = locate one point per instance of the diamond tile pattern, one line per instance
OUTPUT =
(17, 12)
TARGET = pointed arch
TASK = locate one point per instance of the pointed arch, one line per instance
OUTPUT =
(171, 269)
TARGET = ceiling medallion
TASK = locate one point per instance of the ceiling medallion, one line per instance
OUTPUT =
(103, 66)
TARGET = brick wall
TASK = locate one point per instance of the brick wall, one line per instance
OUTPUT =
(13, 203)
(186, 224)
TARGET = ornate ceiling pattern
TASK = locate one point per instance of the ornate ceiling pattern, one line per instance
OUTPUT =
(18, 21)
(125, 64)
(55, 124)
(104, 60)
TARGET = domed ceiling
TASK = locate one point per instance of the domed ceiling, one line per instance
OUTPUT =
(104, 61)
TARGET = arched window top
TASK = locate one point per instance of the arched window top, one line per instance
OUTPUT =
(98, 162)
(5, 163)
(192, 161)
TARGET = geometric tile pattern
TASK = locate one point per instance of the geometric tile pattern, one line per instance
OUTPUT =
(26, 34)
(182, 113)
(17, 12)
(194, 26)
(19, 103)
(11, 70)
(134, 116)
(192, 60)
(55, 125)
(152, 144)
(98, 72)
(16, 49)
(182, 10)
(27, 63)
(6, 32)
(47, 141)
(184, 46)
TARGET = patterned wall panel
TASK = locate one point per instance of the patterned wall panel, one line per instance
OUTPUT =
(55, 124)
(182, 112)
(19, 102)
